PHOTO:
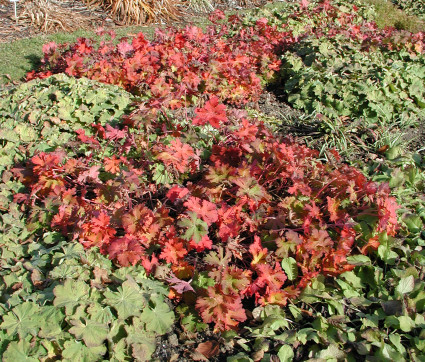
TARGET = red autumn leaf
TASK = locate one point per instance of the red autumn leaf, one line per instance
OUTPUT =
(304, 4)
(46, 161)
(230, 222)
(123, 48)
(235, 280)
(97, 231)
(84, 138)
(269, 276)
(247, 131)
(112, 133)
(180, 286)
(213, 113)
(126, 250)
(204, 244)
(84, 46)
(112, 165)
(179, 155)
(226, 311)
(173, 251)
(177, 192)
(333, 205)
(318, 242)
(279, 297)
(150, 264)
(49, 48)
(91, 174)
(206, 210)
(141, 222)
(387, 209)
(373, 243)
(257, 251)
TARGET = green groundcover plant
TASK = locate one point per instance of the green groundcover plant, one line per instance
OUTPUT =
(253, 217)
(416, 7)
(337, 79)
(39, 116)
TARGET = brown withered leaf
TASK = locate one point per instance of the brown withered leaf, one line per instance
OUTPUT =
(17, 286)
(383, 149)
(100, 278)
(37, 278)
(208, 349)
(258, 355)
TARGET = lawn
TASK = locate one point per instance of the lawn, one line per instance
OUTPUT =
(248, 190)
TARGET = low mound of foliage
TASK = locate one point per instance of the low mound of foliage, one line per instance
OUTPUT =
(416, 7)
(254, 217)
(236, 58)
(335, 78)
(344, 66)
(41, 115)
(179, 65)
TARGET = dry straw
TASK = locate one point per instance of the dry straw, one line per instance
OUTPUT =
(138, 12)
(48, 16)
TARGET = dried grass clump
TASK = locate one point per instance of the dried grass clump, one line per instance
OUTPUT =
(205, 6)
(200, 6)
(137, 12)
(48, 16)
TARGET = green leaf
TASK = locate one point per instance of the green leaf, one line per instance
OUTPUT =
(406, 323)
(196, 228)
(393, 153)
(119, 351)
(289, 265)
(143, 351)
(52, 320)
(93, 333)
(160, 174)
(71, 294)
(77, 351)
(99, 314)
(19, 352)
(358, 260)
(413, 223)
(396, 341)
(128, 300)
(24, 319)
(306, 334)
(240, 357)
(332, 352)
(142, 343)
(159, 319)
(285, 353)
(384, 250)
(406, 285)
(388, 353)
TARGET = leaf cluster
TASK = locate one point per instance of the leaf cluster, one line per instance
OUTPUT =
(41, 115)
(259, 215)
(412, 7)
(179, 65)
(337, 79)
(59, 300)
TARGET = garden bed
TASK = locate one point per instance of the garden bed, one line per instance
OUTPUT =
(243, 193)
